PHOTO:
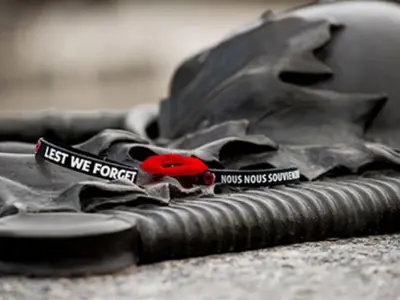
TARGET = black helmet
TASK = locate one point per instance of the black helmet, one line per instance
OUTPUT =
(323, 73)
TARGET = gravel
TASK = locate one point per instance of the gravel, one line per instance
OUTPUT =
(363, 268)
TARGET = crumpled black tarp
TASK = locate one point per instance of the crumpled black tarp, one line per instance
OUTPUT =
(233, 107)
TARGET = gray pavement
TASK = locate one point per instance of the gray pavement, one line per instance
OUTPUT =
(365, 268)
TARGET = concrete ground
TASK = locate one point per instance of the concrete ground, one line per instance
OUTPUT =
(365, 268)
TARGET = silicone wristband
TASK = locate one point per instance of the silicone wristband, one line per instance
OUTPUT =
(182, 166)
(83, 162)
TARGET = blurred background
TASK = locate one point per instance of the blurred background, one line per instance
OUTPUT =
(103, 54)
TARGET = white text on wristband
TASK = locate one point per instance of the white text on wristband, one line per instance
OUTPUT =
(83, 162)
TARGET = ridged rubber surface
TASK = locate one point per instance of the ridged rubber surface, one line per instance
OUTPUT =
(260, 218)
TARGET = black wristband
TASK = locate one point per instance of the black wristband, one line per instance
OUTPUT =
(83, 162)
(90, 164)
(255, 178)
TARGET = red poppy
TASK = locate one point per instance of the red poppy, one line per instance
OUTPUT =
(173, 165)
